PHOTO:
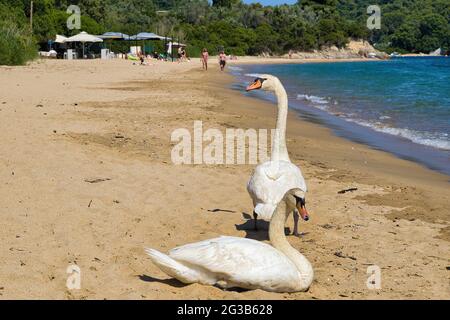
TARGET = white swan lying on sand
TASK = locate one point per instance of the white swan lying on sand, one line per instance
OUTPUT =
(270, 180)
(239, 262)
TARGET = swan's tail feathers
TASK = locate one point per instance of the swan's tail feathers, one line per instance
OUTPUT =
(172, 267)
(265, 210)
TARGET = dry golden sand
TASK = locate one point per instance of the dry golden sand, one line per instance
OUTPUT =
(65, 123)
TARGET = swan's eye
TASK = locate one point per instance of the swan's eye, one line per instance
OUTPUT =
(301, 201)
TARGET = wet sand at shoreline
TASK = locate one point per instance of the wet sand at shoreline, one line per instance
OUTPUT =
(88, 180)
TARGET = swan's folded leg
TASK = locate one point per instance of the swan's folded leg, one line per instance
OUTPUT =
(255, 219)
(174, 268)
(296, 219)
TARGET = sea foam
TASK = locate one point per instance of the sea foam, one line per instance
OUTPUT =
(313, 99)
(435, 140)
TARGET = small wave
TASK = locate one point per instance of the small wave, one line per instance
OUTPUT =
(313, 99)
(253, 75)
(321, 107)
(435, 140)
(235, 68)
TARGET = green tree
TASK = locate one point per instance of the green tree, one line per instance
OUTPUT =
(17, 46)
(407, 25)
(224, 3)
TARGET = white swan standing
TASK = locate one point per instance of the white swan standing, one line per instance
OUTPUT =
(230, 262)
(270, 180)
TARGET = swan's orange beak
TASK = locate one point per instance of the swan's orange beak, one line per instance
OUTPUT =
(304, 213)
(257, 84)
(302, 210)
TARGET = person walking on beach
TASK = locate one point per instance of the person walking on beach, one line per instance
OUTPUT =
(222, 60)
(141, 57)
(184, 54)
(204, 58)
(180, 54)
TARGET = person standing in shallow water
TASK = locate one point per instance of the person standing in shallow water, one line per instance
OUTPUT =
(204, 58)
(222, 60)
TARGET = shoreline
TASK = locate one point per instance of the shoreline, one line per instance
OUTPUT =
(71, 126)
(403, 148)
(276, 60)
(403, 167)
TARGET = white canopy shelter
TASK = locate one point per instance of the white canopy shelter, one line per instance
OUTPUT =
(83, 37)
(60, 39)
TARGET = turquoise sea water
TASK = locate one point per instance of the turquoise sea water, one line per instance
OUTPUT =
(401, 105)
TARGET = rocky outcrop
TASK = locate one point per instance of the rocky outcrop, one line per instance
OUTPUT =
(353, 50)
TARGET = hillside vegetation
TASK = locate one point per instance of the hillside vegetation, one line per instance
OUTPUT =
(406, 25)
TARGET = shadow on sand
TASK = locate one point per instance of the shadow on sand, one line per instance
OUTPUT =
(171, 282)
(178, 284)
(263, 228)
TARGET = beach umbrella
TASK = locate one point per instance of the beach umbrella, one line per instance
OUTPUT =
(147, 36)
(114, 36)
(83, 37)
(60, 39)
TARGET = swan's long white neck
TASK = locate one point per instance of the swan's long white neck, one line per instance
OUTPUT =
(279, 241)
(279, 148)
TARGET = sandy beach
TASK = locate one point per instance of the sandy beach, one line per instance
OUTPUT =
(87, 180)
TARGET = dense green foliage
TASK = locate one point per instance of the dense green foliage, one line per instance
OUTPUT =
(406, 25)
(16, 44)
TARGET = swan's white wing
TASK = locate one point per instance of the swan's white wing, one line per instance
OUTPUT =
(284, 174)
(246, 262)
(269, 183)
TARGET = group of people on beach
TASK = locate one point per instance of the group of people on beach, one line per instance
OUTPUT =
(182, 56)
(205, 56)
